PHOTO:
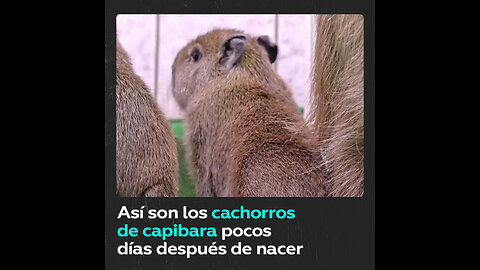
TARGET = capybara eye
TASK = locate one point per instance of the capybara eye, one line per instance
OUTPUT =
(195, 55)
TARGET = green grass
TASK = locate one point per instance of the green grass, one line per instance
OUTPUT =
(177, 126)
(187, 184)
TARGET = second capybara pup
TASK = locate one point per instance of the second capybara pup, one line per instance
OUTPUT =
(244, 133)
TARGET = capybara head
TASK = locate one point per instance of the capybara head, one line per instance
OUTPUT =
(218, 53)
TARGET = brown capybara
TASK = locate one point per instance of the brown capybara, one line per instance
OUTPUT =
(146, 149)
(337, 101)
(244, 134)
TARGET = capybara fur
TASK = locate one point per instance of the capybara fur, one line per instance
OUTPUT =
(244, 134)
(337, 101)
(146, 149)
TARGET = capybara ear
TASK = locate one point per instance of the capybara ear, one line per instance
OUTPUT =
(232, 48)
(270, 47)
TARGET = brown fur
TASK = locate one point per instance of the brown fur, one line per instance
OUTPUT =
(337, 101)
(244, 133)
(146, 149)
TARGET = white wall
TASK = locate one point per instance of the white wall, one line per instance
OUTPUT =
(153, 41)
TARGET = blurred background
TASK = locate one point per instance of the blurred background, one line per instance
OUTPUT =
(153, 41)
